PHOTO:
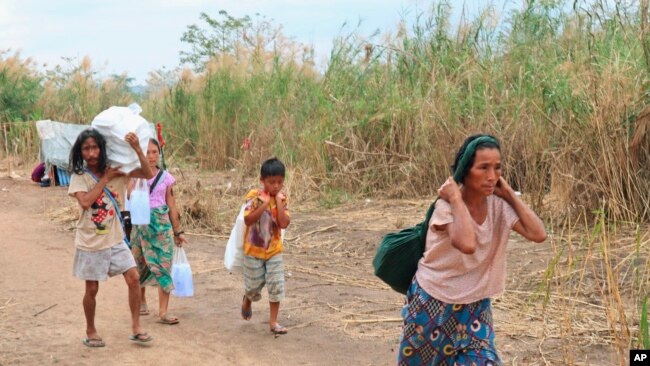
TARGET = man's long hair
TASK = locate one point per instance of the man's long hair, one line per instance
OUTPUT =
(76, 159)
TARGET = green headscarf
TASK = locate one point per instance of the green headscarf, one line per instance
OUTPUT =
(470, 150)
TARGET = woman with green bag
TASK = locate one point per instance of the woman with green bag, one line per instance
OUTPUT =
(448, 314)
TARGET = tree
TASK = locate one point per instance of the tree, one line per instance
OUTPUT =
(221, 36)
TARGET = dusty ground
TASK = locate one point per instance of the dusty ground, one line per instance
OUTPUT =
(337, 311)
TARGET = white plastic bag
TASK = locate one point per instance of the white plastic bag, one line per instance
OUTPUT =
(181, 274)
(139, 203)
(234, 256)
(114, 123)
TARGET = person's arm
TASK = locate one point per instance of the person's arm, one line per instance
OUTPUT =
(86, 199)
(145, 170)
(530, 226)
(175, 218)
(129, 188)
(460, 230)
(254, 216)
(283, 215)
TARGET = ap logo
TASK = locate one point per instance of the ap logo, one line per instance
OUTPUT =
(639, 357)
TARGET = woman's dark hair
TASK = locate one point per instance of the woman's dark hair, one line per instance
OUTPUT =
(76, 159)
(490, 143)
(272, 168)
(155, 142)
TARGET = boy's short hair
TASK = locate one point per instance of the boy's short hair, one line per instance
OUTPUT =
(272, 168)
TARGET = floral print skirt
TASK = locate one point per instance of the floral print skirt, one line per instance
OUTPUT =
(153, 248)
(437, 333)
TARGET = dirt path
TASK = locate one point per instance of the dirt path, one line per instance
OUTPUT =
(36, 262)
(338, 313)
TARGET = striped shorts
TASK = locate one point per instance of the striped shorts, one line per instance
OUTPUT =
(260, 272)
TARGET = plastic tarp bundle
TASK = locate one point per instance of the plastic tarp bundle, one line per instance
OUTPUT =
(114, 123)
(56, 141)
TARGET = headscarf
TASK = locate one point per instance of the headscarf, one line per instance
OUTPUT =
(470, 150)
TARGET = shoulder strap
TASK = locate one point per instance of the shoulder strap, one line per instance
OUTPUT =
(108, 193)
(155, 181)
(430, 212)
(424, 226)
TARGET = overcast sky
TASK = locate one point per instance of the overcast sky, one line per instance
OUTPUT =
(138, 36)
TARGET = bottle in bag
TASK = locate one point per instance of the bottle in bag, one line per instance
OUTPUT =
(139, 202)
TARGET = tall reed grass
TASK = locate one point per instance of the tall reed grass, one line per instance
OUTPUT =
(72, 93)
(564, 88)
(564, 85)
(20, 89)
(595, 288)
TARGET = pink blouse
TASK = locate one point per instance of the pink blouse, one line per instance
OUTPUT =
(456, 278)
(157, 197)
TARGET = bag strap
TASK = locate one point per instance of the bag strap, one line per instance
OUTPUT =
(155, 181)
(427, 218)
(108, 193)
(425, 224)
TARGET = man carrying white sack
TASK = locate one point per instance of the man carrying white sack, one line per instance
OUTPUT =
(101, 250)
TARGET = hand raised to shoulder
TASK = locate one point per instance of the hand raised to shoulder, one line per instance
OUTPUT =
(265, 197)
(449, 191)
(503, 189)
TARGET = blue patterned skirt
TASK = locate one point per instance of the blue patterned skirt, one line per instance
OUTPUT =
(437, 333)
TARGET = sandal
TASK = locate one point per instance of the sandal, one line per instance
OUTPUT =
(141, 337)
(246, 314)
(167, 319)
(144, 309)
(93, 342)
(278, 329)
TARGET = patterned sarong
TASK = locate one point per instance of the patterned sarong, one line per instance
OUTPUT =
(153, 248)
(437, 333)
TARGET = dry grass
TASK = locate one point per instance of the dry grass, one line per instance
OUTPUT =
(565, 92)
(575, 296)
(578, 294)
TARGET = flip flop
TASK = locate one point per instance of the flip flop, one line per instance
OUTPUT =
(167, 319)
(278, 329)
(246, 314)
(93, 342)
(144, 309)
(141, 337)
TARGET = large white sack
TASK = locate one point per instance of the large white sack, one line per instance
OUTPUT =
(114, 123)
